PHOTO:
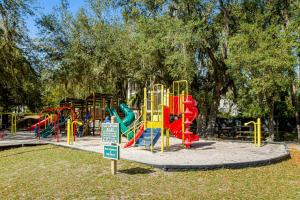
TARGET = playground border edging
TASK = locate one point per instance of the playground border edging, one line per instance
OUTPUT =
(239, 165)
(179, 167)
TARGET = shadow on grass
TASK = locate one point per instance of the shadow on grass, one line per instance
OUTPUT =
(23, 152)
(136, 170)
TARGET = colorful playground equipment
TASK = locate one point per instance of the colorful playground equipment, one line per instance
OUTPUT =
(53, 122)
(126, 121)
(70, 130)
(96, 106)
(87, 114)
(163, 114)
(256, 131)
(92, 110)
(48, 118)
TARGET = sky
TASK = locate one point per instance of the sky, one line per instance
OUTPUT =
(47, 6)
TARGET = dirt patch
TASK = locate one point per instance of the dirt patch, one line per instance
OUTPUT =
(295, 154)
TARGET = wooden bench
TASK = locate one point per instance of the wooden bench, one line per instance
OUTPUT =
(245, 135)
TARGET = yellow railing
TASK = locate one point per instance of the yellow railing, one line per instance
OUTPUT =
(256, 131)
(133, 129)
(159, 111)
(178, 87)
(144, 109)
(183, 116)
(70, 131)
(181, 96)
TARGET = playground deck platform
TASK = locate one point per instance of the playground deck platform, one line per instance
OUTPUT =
(205, 154)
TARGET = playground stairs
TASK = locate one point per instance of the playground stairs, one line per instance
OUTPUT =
(145, 139)
(190, 114)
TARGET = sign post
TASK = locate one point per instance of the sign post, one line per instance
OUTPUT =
(111, 136)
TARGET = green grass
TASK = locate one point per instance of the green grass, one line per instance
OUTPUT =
(50, 172)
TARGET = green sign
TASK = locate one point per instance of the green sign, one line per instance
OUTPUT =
(111, 152)
(110, 133)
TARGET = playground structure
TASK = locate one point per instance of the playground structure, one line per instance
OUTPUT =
(88, 114)
(126, 121)
(164, 113)
(70, 130)
(14, 122)
(53, 122)
(96, 105)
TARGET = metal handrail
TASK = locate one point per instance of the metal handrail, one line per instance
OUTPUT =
(131, 128)
(135, 121)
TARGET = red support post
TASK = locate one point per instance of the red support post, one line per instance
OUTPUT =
(58, 121)
(74, 125)
(39, 134)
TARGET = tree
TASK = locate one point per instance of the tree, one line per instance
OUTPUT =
(261, 63)
(19, 81)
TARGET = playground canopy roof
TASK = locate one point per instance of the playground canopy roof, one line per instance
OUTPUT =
(77, 103)
(72, 102)
(100, 96)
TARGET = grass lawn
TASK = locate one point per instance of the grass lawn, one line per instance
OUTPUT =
(51, 172)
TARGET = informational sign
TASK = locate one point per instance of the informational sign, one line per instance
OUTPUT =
(110, 133)
(111, 152)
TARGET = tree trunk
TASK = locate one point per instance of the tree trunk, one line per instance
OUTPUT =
(225, 11)
(219, 72)
(298, 123)
(271, 122)
(212, 124)
(296, 104)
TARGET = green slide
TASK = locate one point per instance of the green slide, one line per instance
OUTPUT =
(49, 130)
(128, 119)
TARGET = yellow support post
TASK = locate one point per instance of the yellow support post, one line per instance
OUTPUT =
(46, 116)
(168, 98)
(68, 131)
(145, 109)
(162, 118)
(167, 131)
(13, 128)
(15, 124)
(151, 118)
(178, 82)
(258, 132)
(134, 124)
(255, 133)
(182, 123)
(168, 138)
(179, 106)
(72, 132)
(12, 124)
